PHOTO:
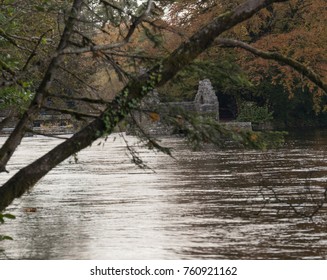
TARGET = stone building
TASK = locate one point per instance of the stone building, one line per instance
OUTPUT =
(206, 100)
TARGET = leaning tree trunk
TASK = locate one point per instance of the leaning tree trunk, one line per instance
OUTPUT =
(128, 99)
(14, 140)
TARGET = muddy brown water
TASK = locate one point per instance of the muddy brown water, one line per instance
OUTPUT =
(210, 204)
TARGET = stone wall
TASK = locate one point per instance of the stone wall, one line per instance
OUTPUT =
(51, 124)
(205, 103)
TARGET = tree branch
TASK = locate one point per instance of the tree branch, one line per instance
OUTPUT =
(6, 36)
(33, 53)
(78, 78)
(76, 114)
(112, 5)
(82, 99)
(299, 67)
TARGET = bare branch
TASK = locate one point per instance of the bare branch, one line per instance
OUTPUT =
(167, 28)
(125, 40)
(12, 41)
(33, 53)
(131, 55)
(83, 99)
(31, 39)
(76, 114)
(112, 5)
(47, 135)
(77, 78)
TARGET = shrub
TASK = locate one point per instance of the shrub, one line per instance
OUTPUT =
(250, 112)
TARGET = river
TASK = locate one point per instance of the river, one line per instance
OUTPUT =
(209, 204)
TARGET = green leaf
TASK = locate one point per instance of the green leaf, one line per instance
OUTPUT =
(44, 41)
(5, 237)
(9, 216)
(26, 84)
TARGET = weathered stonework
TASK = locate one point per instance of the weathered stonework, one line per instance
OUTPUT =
(206, 101)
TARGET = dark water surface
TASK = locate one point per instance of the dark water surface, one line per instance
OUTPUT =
(211, 204)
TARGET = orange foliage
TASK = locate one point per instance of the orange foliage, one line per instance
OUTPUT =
(297, 29)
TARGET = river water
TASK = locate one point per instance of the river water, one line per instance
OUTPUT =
(209, 204)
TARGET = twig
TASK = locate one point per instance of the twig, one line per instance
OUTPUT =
(71, 112)
(47, 135)
(83, 99)
(77, 78)
(33, 53)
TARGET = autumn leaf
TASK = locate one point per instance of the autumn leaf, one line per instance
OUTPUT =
(154, 117)
(254, 137)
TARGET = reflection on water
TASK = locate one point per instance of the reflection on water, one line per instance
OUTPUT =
(209, 204)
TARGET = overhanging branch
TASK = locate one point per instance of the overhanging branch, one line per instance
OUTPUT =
(299, 67)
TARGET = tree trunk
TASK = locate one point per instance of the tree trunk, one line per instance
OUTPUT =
(15, 138)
